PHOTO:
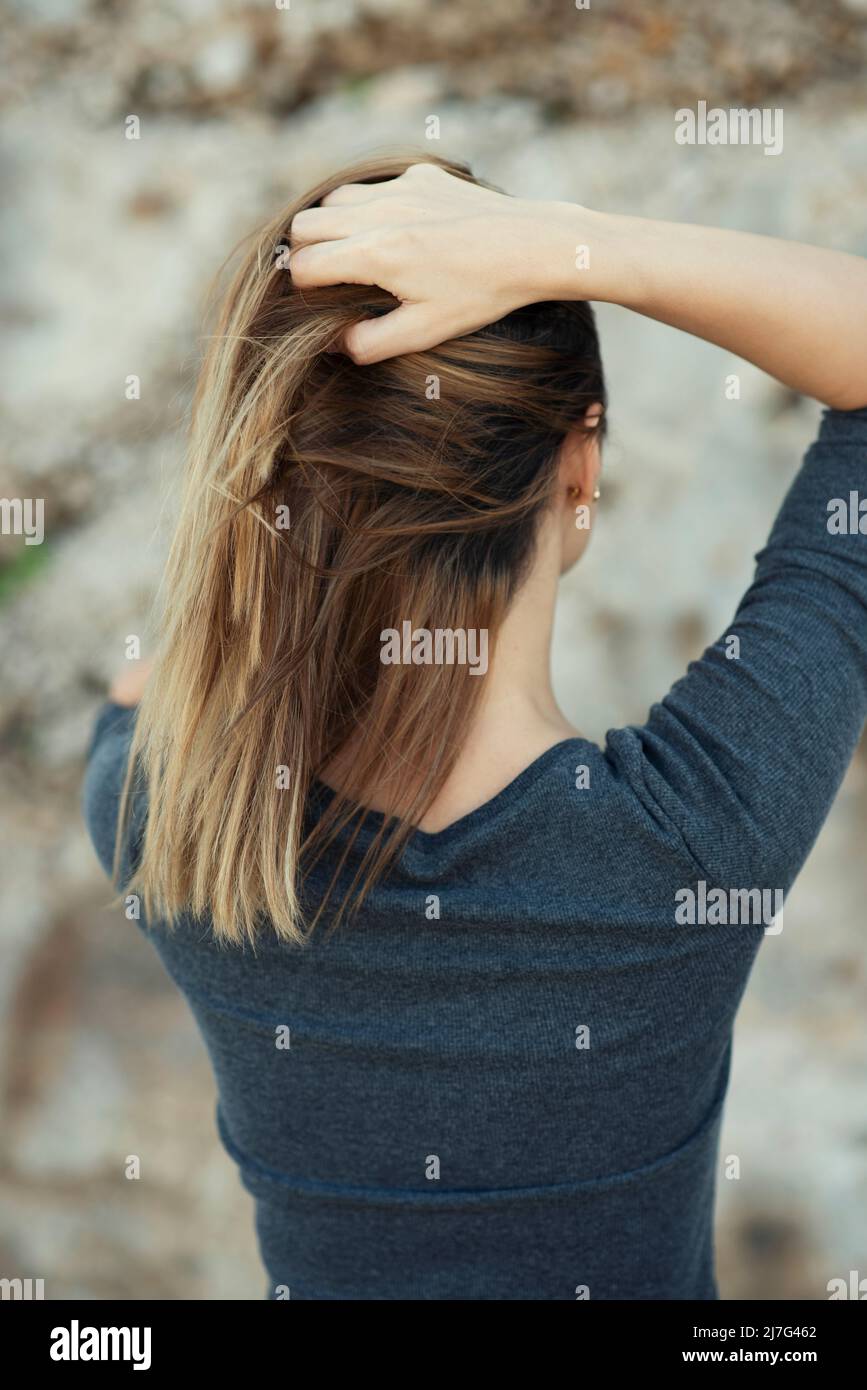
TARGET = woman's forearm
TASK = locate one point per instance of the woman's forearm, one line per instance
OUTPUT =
(458, 256)
(797, 312)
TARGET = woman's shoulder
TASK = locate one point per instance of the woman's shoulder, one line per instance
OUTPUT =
(105, 775)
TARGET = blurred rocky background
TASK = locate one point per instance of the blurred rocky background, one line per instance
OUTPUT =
(108, 245)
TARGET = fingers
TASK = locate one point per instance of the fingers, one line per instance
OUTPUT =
(354, 207)
(406, 329)
(349, 193)
(319, 224)
(347, 262)
(344, 220)
(343, 261)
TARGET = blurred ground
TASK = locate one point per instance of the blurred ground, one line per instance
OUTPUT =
(106, 257)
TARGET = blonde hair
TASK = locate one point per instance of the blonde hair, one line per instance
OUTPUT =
(403, 503)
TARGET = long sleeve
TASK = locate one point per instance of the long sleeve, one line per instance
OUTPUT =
(104, 780)
(747, 751)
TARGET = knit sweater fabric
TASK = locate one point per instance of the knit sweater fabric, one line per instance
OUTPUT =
(504, 1079)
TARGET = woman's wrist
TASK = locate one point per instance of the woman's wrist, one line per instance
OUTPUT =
(574, 252)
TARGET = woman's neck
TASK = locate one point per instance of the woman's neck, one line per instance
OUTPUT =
(516, 721)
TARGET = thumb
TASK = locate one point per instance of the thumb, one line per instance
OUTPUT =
(406, 329)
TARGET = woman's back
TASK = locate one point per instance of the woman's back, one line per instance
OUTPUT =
(513, 1020)
(527, 1027)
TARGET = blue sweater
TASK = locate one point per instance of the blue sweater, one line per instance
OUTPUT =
(505, 1079)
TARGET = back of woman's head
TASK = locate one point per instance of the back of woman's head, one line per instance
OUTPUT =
(326, 504)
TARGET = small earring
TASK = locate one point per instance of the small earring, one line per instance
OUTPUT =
(596, 494)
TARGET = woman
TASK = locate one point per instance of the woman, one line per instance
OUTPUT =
(467, 980)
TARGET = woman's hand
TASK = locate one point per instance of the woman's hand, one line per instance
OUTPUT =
(456, 256)
(128, 685)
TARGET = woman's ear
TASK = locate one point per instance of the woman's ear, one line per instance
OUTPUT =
(580, 458)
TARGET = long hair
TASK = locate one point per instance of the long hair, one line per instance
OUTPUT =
(326, 503)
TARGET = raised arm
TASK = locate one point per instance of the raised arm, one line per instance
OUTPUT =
(458, 256)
